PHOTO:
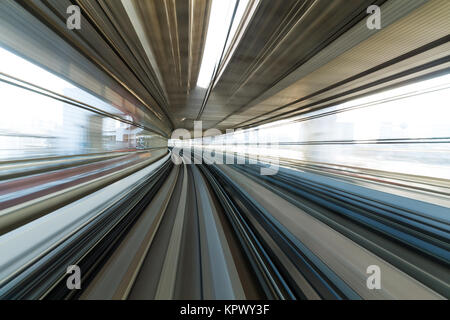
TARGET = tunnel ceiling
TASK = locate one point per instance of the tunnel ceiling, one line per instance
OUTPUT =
(291, 56)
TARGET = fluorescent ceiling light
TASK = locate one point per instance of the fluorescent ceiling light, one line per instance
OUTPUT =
(218, 26)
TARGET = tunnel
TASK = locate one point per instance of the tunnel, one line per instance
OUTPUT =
(224, 150)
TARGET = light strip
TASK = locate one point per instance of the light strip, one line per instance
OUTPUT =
(218, 26)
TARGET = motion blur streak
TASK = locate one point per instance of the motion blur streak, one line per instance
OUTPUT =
(101, 165)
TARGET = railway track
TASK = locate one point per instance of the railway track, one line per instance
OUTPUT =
(225, 232)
